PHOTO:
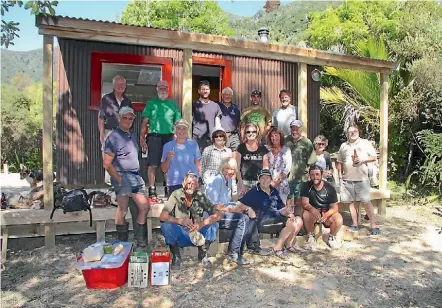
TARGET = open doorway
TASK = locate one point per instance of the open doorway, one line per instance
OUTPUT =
(212, 75)
(218, 72)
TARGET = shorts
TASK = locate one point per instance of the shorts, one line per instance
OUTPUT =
(232, 141)
(295, 189)
(155, 144)
(131, 183)
(352, 191)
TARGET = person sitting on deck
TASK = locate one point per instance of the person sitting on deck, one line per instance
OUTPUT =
(320, 202)
(269, 208)
(183, 214)
(219, 192)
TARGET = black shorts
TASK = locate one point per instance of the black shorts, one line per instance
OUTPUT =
(272, 224)
(155, 143)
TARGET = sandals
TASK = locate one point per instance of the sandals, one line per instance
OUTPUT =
(293, 249)
(280, 253)
(353, 228)
(375, 231)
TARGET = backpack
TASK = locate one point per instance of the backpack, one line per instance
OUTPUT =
(73, 201)
(99, 199)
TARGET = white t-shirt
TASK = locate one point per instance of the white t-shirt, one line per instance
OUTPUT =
(352, 172)
(283, 117)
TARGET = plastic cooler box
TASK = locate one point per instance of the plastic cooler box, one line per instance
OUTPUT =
(108, 273)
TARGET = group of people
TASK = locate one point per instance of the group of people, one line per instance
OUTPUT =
(280, 176)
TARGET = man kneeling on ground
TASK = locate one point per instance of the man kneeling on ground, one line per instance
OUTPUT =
(265, 201)
(320, 203)
(182, 214)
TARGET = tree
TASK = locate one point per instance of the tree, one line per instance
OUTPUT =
(188, 15)
(10, 29)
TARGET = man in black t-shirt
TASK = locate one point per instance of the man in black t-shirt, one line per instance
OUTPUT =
(320, 203)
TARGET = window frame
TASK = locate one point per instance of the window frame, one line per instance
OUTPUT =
(98, 58)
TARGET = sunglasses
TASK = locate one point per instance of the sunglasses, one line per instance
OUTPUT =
(219, 136)
(320, 143)
(251, 132)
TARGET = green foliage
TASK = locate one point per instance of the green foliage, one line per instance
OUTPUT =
(189, 15)
(431, 169)
(28, 63)
(21, 131)
(10, 29)
(286, 24)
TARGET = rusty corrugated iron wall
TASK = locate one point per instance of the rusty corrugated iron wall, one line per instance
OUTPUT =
(79, 161)
(313, 103)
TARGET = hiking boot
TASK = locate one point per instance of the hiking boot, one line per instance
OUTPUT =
(260, 252)
(333, 242)
(202, 251)
(123, 232)
(141, 238)
(234, 257)
(153, 198)
(311, 242)
(176, 256)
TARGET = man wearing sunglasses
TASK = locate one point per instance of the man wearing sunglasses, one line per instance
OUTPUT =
(188, 210)
(256, 114)
(121, 161)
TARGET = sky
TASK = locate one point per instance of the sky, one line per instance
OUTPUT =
(100, 10)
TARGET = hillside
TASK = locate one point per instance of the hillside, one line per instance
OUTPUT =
(286, 23)
(28, 62)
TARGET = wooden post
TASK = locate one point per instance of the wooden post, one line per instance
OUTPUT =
(48, 198)
(302, 96)
(187, 87)
(383, 142)
(101, 230)
(5, 237)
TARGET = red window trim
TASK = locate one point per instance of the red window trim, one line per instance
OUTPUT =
(97, 58)
(225, 64)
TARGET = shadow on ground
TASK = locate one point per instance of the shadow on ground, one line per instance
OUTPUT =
(397, 268)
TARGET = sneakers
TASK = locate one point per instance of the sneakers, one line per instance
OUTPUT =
(333, 242)
(311, 242)
(234, 257)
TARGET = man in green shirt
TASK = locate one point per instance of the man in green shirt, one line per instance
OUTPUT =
(161, 114)
(303, 155)
(257, 115)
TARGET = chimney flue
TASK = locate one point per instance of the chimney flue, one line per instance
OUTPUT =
(263, 35)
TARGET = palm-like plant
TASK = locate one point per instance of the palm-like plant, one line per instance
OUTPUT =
(357, 93)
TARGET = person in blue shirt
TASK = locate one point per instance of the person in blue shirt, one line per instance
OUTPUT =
(230, 118)
(180, 156)
(265, 201)
(218, 191)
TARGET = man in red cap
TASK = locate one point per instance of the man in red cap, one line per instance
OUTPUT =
(160, 113)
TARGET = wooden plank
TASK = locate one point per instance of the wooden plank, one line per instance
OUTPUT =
(187, 87)
(81, 29)
(383, 142)
(101, 230)
(48, 197)
(26, 217)
(5, 238)
(302, 96)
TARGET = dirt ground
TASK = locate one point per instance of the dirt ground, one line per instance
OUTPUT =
(400, 268)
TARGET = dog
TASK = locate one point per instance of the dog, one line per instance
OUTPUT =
(33, 177)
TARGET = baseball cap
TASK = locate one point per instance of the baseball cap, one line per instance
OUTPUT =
(296, 123)
(162, 84)
(264, 172)
(256, 92)
(181, 122)
(126, 110)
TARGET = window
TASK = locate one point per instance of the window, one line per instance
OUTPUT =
(141, 72)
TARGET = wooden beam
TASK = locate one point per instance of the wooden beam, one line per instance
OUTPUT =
(5, 237)
(302, 95)
(48, 197)
(112, 32)
(187, 87)
(383, 142)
